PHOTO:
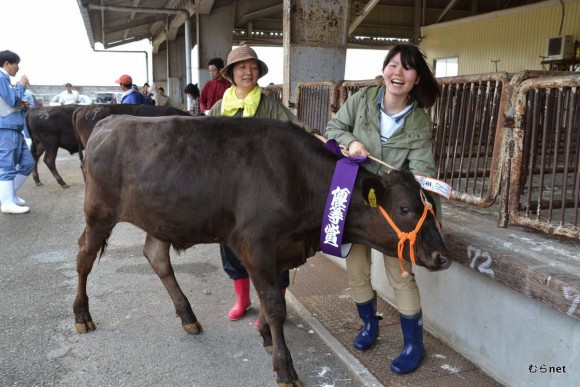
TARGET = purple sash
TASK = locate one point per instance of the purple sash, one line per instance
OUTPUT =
(337, 202)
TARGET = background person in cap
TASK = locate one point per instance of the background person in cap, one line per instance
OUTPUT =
(130, 96)
(69, 96)
(213, 90)
(245, 99)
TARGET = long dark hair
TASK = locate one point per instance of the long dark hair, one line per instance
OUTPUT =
(427, 90)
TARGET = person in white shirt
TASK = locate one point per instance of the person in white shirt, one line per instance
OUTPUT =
(69, 96)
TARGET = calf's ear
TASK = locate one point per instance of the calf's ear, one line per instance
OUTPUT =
(373, 191)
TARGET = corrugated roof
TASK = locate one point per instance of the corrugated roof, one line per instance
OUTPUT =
(374, 22)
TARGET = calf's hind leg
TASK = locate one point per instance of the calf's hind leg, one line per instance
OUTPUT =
(90, 242)
(50, 161)
(157, 253)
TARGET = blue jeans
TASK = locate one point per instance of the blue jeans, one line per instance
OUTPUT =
(15, 157)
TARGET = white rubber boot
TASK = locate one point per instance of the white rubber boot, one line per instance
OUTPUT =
(18, 181)
(7, 205)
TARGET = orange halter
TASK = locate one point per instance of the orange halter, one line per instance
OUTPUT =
(411, 236)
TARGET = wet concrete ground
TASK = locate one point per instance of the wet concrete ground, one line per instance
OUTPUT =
(138, 340)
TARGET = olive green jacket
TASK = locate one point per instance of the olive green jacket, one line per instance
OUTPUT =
(268, 108)
(410, 146)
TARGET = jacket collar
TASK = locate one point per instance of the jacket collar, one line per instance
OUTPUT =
(397, 116)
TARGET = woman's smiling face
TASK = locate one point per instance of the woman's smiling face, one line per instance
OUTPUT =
(246, 74)
(398, 79)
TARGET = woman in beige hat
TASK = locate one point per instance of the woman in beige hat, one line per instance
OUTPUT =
(245, 99)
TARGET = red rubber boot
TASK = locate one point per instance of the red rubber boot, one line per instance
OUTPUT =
(243, 302)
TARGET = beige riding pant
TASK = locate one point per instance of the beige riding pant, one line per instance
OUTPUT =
(358, 267)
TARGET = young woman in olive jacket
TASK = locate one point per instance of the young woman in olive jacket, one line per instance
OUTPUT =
(389, 122)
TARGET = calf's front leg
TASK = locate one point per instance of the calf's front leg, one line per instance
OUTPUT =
(273, 310)
(36, 155)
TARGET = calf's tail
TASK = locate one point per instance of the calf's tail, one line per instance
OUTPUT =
(74, 120)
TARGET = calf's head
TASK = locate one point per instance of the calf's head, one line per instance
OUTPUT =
(403, 220)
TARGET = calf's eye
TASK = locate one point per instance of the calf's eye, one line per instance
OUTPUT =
(404, 211)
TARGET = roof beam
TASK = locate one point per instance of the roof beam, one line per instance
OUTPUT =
(447, 9)
(135, 23)
(182, 16)
(366, 10)
(261, 13)
(131, 17)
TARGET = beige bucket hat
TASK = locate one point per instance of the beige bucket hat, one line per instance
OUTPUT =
(241, 54)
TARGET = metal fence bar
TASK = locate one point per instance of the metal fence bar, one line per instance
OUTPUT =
(568, 134)
(274, 91)
(546, 113)
(316, 103)
(348, 88)
(468, 132)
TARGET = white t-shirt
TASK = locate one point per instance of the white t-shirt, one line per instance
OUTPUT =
(67, 98)
(391, 122)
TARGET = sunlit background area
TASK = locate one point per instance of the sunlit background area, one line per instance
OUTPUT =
(56, 50)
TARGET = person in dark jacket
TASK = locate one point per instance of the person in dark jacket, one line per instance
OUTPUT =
(147, 94)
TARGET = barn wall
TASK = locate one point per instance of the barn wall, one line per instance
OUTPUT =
(516, 37)
(160, 66)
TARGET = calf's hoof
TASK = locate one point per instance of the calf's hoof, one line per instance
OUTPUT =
(269, 349)
(193, 328)
(65, 186)
(85, 327)
(39, 184)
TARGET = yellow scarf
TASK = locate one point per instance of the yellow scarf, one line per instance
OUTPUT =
(231, 103)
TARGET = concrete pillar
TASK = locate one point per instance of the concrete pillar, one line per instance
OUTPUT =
(315, 36)
(176, 72)
(160, 66)
(214, 39)
(169, 69)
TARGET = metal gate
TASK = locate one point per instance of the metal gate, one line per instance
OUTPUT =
(544, 190)
(316, 102)
(468, 130)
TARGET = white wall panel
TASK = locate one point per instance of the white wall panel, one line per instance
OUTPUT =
(517, 37)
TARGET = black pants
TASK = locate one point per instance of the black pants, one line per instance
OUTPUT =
(235, 270)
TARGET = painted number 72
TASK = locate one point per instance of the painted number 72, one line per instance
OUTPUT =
(476, 254)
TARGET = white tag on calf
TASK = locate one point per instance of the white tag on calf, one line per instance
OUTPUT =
(434, 185)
